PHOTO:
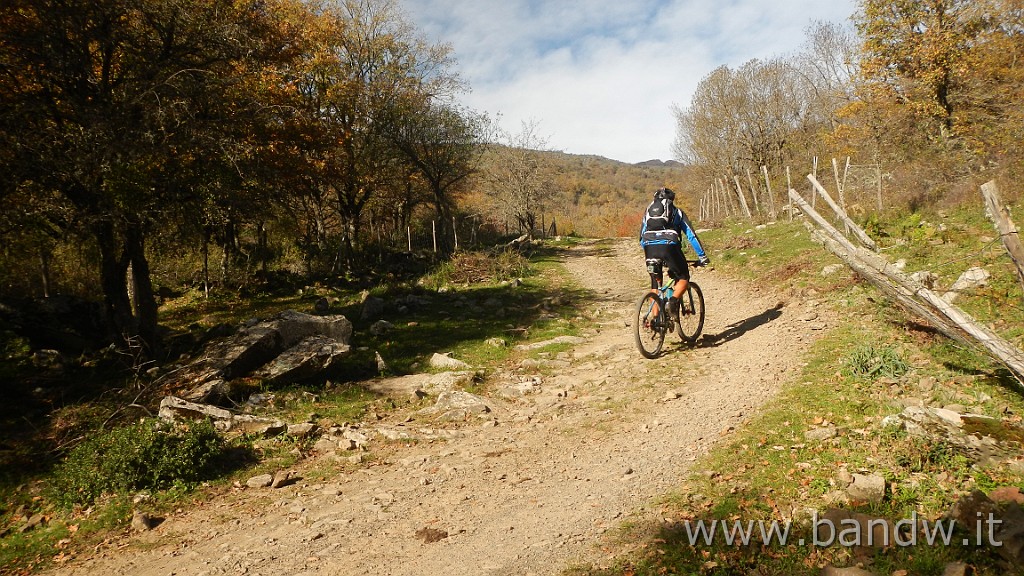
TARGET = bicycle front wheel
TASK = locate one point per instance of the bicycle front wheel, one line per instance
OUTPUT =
(649, 326)
(690, 319)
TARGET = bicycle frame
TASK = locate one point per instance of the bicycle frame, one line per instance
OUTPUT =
(654, 317)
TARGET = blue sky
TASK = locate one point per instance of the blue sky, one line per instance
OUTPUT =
(600, 76)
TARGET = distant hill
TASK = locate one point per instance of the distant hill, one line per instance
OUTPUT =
(665, 163)
(597, 196)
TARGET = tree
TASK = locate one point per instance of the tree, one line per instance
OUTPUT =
(116, 107)
(516, 179)
(913, 60)
(827, 66)
(369, 66)
(443, 143)
(741, 118)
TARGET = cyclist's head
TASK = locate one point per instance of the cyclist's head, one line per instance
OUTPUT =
(664, 194)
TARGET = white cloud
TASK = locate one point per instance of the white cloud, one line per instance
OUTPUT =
(600, 76)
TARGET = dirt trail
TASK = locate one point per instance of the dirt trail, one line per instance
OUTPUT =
(534, 489)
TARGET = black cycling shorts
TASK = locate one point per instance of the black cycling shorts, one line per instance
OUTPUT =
(672, 254)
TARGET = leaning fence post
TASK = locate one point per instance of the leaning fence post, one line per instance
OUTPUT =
(1000, 216)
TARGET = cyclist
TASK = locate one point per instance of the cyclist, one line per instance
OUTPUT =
(661, 232)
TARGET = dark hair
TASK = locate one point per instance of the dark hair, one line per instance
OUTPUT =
(664, 194)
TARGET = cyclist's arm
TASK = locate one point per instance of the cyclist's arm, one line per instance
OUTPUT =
(698, 247)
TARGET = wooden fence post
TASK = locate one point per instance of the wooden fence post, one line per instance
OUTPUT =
(1000, 216)
(771, 198)
(789, 186)
(946, 318)
(739, 193)
(753, 193)
(814, 171)
(849, 224)
(878, 174)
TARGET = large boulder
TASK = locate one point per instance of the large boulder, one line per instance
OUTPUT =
(289, 347)
(309, 357)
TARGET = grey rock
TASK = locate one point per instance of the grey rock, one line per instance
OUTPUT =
(867, 488)
(820, 434)
(373, 309)
(174, 409)
(281, 479)
(381, 328)
(303, 430)
(142, 522)
(206, 380)
(325, 445)
(261, 481)
(925, 278)
(981, 438)
(971, 278)
(412, 386)
(354, 439)
(832, 269)
(307, 358)
(445, 361)
(457, 405)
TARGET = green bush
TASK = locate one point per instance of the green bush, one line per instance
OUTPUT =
(149, 455)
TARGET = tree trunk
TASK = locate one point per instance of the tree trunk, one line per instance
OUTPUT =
(113, 280)
(206, 262)
(44, 270)
(142, 287)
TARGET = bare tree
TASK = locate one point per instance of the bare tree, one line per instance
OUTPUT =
(827, 66)
(516, 179)
(741, 119)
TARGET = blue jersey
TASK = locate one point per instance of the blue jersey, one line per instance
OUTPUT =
(678, 226)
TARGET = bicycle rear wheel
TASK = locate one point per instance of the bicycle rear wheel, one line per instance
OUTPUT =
(649, 327)
(690, 319)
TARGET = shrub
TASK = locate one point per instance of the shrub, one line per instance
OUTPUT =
(869, 361)
(496, 265)
(149, 455)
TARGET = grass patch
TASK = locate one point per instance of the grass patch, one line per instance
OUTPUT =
(870, 361)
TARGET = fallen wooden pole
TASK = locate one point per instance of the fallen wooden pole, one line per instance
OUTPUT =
(913, 296)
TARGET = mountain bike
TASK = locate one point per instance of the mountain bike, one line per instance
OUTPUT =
(653, 319)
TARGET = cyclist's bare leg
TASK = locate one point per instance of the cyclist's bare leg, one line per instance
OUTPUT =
(655, 281)
(677, 292)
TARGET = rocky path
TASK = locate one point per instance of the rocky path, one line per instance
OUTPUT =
(533, 488)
